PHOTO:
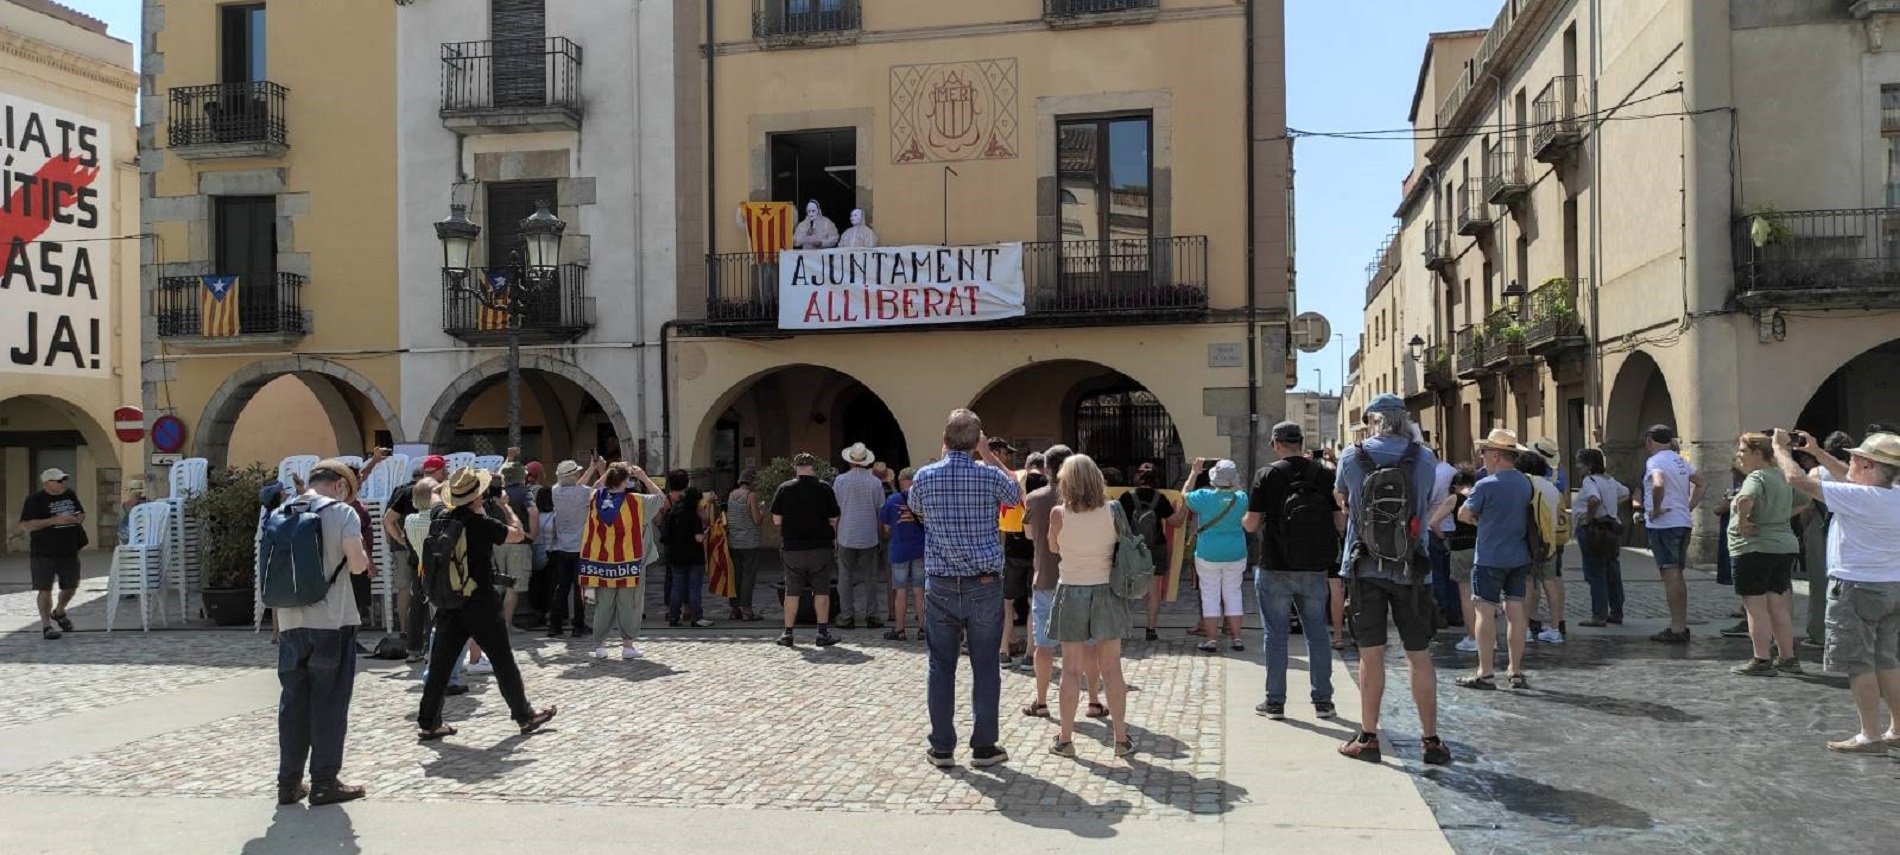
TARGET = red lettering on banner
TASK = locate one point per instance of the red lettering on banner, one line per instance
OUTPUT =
(933, 302)
(910, 304)
(886, 304)
(953, 304)
(812, 315)
(972, 290)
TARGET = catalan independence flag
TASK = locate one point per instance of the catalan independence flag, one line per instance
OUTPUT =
(218, 306)
(768, 227)
(720, 579)
(495, 318)
(613, 543)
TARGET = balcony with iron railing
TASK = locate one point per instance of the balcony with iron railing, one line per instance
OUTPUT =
(257, 308)
(511, 86)
(1506, 178)
(243, 119)
(1468, 351)
(1508, 38)
(1438, 368)
(1842, 258)
(1557, 117)
(1090, 13)
(1438, 251)
(1553, 322)
(1504, 340)
(1474, 213)
(1066, 283)
(556, 310)
(797, 23)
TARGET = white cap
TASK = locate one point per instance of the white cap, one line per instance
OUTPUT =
(53, 474)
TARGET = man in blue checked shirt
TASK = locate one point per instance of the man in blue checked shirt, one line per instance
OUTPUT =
(958, 498)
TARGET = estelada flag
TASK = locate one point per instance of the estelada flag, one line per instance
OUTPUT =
(720, 581)
(613, 542)
(218, 306)
(768, 227)
(494, 309)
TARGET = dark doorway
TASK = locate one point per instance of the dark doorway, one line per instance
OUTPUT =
(820, 165)
(865, 419)
(1124, 427)
(245, 246)
(241, 32)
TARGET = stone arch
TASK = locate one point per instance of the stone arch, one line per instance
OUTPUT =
(90, 429)
(1639, 397)
(100, 492)
(438, 428)
(322, 376)
(1845, 398)
(1064, 384)
(836, 390)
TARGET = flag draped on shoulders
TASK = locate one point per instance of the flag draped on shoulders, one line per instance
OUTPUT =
(720, 580)
(613, 541)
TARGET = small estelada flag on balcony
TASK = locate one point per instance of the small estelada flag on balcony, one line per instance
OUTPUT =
(494, 307)
(218, 306)
(768, 227)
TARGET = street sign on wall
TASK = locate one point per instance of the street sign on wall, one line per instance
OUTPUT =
(168, 434)
(129, 424)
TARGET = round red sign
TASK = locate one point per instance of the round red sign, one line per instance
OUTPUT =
(129, 424)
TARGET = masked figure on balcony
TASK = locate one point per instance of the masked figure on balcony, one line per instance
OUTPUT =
(814, 231)
(859, 235)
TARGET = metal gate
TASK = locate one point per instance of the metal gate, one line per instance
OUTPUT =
(1124, 428)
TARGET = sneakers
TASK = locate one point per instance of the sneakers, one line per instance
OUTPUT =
(1208, 646)
(629, 651)
(598, 652)
(994, 755)
(1324, 709)
(1005, 661)
(480, 666)
(1856, 744)
(1550, 636)
(1670, 636)
(825, 638)
(1436, 752)
(1754, 668)
(1615, 618)
(1274, 711)
(846, 623)
(1152, 635)
(1467, 645)
(336, 793)
(1236, 646)
(940, 759)
(1595, 622)
(785, 639)
(1365, 747)
(1739, 630)
(702, 623)
(1788, 665)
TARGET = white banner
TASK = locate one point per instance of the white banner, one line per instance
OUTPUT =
(890, 286)
(55, 284)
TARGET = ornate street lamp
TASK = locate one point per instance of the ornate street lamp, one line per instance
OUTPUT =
(457, 235)
(511, 290)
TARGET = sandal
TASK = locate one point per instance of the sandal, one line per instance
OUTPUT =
(1036, 710)
(1209, 646)
(1063, 748)
(1519, 681)
(1097, 710)
(433, 735)
(893, 635)
(1485, 682)
(1339, 641)
(65, 623)
(1124, 747)
(541, 718)
(49, 632)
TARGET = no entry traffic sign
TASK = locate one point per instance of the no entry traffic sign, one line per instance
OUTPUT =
(129, 424)
(168, 434)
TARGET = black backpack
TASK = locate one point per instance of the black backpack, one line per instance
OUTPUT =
(1387, 520)
(446, 580)
(1308, 538)
(1146, 522)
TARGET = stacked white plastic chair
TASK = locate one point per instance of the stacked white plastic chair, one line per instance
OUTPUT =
(183, 553)
(375, 494)
(138, 565)
(459, 460)
(490, 462)
(294, 469)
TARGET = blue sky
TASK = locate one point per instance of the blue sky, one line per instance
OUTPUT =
(1350, 66)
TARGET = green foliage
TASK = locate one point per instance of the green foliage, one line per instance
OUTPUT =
(1766, 226)
(780, 471)
(1512, 333)
(227, 511)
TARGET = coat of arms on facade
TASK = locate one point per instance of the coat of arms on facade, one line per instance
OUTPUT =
(953, 111)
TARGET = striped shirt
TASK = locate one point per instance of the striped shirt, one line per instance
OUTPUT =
(957, 500)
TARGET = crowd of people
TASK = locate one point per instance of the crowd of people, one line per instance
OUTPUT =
(970, 549)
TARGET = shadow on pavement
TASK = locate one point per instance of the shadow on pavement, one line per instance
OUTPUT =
(297, 830)
(1161, 785)
(632, 671)
(471, 765)
(836, 655)
(1332, 728)
(1612, 705)
(1536, 799)
(1057, 810)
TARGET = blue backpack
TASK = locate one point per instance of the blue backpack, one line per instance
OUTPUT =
(290, 560)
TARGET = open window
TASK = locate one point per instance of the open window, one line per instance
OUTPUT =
(821, 165)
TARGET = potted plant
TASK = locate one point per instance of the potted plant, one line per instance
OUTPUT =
(227, 513)
(1766, 227)
(1513, 335)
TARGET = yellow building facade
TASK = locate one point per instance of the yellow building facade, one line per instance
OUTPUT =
(1109, 138)
(268, 178)
(69, 308)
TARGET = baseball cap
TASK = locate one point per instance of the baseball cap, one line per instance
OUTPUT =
(53, 474)
(534, 470)
(1386, 403)
(1661, 433)
(1289, 433)
(434, 462)
(998, 443)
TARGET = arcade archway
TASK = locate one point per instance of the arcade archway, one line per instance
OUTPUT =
(565, 413)
(1090, 407)
(792, 409)
(1860, 393)
(355, 411)
(39, 432)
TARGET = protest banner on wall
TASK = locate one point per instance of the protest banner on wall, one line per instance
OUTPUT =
(55, 206)
(899, 286)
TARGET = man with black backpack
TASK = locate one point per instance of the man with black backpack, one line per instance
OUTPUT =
(1385, 483)
(316, 647)
(1291, 507)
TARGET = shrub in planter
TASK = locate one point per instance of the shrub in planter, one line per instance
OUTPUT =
(227, 514)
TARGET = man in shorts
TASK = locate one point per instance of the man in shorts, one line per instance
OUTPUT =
(1672, 490)
(514, 562)
(806, 512)
(1502, 565)
(55, 523)
(1394, 590)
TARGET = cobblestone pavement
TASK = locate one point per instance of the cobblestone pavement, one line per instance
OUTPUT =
(705, 721)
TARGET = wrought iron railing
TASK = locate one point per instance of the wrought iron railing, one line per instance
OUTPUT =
(267, 303)
(792, 18)
(1468, 352)
(1556, 114)
(1124, 280)
(511, 74)
(246, 112)
(1438, 367)
(1813, 252)
(1503, 336)
(1553, 313)
(1437, 244)
(556, 309)
(1504, 174)
(1474, 212)
(1064, 8)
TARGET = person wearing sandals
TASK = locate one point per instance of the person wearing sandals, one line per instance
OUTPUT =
(1220, 549)
(1087, 618)
(1147, 499)
(479, 617)
(906, 533)
(1501, 564)
(1763, 549)
(1037, 507)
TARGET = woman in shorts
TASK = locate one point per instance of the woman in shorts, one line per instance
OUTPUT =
(1088, 619)
(1763, 549)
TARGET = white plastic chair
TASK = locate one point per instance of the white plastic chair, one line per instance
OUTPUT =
(294, 468)
(459, 461)
(490, 462)
(138, 566)
(385, 478)
(350, 460)
(190, 477)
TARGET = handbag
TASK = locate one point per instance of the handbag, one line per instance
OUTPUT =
(1231, 502)
(1134, 565)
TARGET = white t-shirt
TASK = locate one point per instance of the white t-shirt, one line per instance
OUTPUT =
(1608, 491)
(1863, 541)
(1674, 510)
(1441, 487)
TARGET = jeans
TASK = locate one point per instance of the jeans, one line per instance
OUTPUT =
(1444, 588)
(860, 570)
(683, 584)
(1279, 591)
(317, 668)
(1605, 575)
(481, 621)
(955, 605)
(564, 591)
